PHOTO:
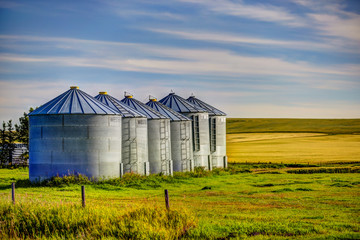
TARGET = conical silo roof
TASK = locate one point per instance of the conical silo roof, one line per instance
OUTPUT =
(212, 110)
(74, 101)
(164, 110)
(143, 108)
(180, 104)
(122, 108)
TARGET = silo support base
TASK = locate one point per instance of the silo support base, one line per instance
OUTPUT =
(225, 161)
(121, 169)
(171, 168)
(191, 165)
(209, 163)
(146, 168)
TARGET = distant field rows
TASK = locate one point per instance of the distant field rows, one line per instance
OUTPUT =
(294, 149)
(263, 125)
(293, 140)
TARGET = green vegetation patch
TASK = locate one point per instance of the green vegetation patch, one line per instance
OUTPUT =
(326, 170)
(218, 205)
(66, 221)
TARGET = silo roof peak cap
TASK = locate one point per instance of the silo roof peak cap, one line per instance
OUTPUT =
(74, 87)
(103, 93)
(152, 98)
(128, 95)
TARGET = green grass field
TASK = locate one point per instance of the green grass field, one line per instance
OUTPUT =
(248, 201)
(223, 206)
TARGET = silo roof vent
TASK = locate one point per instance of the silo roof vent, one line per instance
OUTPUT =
(152, 98)
(180, 104)
(73, 101)
(122, 108)
(212, 110)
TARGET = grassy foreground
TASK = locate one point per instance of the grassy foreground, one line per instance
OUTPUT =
(217, 205)
(310, 190)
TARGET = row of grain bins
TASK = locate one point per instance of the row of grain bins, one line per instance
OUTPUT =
(102, 136)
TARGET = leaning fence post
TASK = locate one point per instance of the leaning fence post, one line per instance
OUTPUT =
(13, 192)
(167, 199)
(83, 195)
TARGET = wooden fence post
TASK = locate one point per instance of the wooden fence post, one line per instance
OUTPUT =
(13, 192)
(167, 199)
(83, 195)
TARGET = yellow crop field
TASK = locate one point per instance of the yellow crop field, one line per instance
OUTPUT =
(293, 147)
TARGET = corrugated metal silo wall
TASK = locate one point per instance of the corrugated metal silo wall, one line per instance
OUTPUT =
(71, 144)
(218, 140)
(135, 145)
(181, 146)
(159, 146)
(202, 154)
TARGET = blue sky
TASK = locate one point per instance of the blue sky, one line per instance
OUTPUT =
(278, 58)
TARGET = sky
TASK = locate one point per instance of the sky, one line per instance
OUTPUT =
(249, 58)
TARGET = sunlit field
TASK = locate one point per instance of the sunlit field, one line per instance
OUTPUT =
(314, 141)
(310, 190)
(293, 148)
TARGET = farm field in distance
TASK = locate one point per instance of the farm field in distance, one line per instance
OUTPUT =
(314, 141)
(247, 201)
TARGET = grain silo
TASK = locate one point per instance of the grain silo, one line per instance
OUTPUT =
(134, 135)
(217, 123)
(74, 134)
(158, 136)
(181, 136)
(200, 127)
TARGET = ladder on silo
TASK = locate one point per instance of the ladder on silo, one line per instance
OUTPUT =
(184, 149)
(126, 147)
(130, 146)
(163, 149)
(212, 134)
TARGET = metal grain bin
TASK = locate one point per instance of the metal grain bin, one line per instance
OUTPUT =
(200, 127)
(217, 123)
(134, 135)
(158, 136)
(74, 134)
(181, 136)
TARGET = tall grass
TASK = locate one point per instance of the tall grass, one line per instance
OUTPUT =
(68, 221)
(130, 179)
(153, 181)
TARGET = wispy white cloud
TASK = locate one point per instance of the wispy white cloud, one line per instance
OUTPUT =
(17, 97)
(330, 18)
(157, 15)
(172, 60)
(261, 12)
(336, 26)
(326, 16)
(221, 37)
(331, 109)
(142, 9)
